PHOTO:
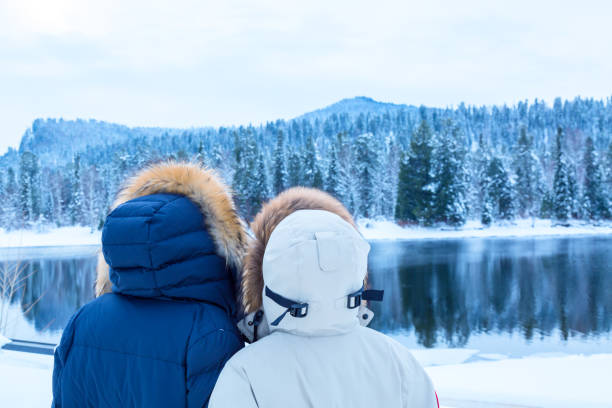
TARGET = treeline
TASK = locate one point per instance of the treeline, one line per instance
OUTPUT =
(415, 165)
(441, 182)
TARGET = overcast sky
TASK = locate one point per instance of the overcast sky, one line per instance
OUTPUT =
(189, 63)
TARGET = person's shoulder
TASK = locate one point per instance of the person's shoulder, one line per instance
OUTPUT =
(376, 337)
(391, 345)
(211, 318)
(93, 305)
(257, 352)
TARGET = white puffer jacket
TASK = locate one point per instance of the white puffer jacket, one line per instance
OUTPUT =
(326, 358)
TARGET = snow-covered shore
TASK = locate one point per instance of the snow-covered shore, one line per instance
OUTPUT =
(371, 230)
(534, 381)
(64, 236)
(388, 230)
(538, 381)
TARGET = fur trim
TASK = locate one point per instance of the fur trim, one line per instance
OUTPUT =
(270, 215)
(103, 284)
(202, 186)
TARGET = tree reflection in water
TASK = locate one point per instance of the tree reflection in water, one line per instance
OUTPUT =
(450, 290)
(443, 291)
(54, 289)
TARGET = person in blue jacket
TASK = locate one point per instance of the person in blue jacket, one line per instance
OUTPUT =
(164, 322)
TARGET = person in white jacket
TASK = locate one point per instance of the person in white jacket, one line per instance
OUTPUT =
(303, 290)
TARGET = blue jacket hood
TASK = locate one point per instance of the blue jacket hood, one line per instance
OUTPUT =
(158, 246)
(164, 322)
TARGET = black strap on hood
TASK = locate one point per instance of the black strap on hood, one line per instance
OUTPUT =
(297, 309)
(354, 299)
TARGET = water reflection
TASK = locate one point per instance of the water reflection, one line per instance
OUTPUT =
(437, 293)
(53, 287)
(447, 291)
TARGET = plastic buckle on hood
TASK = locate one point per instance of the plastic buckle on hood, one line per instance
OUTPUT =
(353, 300)
(299, 310)
(294, 308)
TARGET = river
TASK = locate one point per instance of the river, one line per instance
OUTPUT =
(513, 296)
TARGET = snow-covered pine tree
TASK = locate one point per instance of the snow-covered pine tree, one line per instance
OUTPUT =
(3, 195)
(528, 177)
(259, 189)
(449, 176)
(561, 194)
(365, 170)
(387, 176)
(239, 178)
(29, 185)
(608, 172)
(295, 169)
(279, 176)
(93, 203)
(547, 204)
(480, 182)
(416, 184)
(572, 181)
(499, 190)
(201, 155)
(332, 181)
(47, 206)
(255, 178)
(346, 181)
(75, 207)
(317, 180)
(403, 205)
(486, 213)
(595, 203)
(11, 214)
(311, 170)
(219, 162)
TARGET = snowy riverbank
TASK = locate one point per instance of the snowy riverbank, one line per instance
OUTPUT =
(371, 230)
(64, 236)
(535, 381)
(388, 230)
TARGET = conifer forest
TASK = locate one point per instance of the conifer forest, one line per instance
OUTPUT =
(414, 165)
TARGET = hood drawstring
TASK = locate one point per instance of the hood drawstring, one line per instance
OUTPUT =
(297, 309)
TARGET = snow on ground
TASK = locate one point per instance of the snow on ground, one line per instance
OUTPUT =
(533, 381)
(25, 379)
(64, 236)
(568, 381)
(380, 230)
(371, 229)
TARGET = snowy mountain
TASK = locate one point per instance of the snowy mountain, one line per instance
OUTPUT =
(355, 106)
(59, 140)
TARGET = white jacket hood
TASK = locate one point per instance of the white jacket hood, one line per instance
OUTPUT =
(317, 258)
(307, 250)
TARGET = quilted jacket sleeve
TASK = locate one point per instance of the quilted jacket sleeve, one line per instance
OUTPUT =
(60, 358)
(206, 357)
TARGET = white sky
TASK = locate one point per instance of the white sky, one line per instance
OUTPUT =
(192, 63)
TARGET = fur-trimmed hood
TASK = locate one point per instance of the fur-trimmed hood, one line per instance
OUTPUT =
(206, 190)
(268, 218)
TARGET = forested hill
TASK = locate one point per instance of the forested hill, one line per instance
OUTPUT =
(356, 106)
(422, 165)
(59, 140)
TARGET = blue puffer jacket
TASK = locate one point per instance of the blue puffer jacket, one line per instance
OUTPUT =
(161, 338)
